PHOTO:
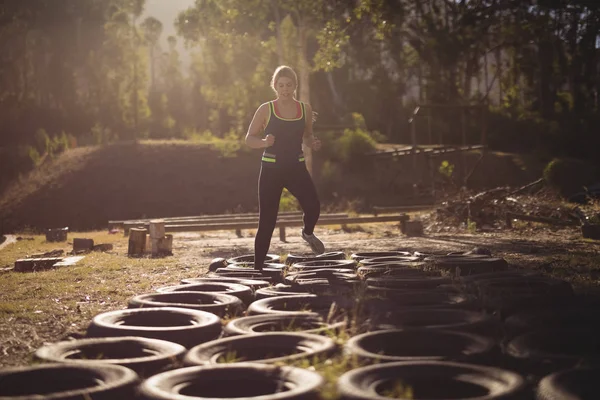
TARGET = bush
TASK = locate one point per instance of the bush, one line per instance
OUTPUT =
(42, 141)
(569, 176)
(354, 143)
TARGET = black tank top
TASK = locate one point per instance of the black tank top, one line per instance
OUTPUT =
(288, 132)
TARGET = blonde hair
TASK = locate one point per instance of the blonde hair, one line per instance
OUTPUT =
(283, 71)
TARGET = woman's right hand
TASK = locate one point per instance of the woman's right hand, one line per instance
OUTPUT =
(269, 140)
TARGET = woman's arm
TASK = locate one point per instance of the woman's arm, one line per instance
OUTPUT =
(257, 126)
(309, 138)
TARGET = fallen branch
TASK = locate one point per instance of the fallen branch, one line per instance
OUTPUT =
(519, 190)
(552, 221)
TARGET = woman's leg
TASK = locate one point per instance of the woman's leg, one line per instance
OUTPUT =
(270, 187)
(299, 183)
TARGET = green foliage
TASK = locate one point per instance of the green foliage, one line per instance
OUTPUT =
(42, 141)
(446, 169)
(354, 143)
(33, 155)
(287, 202)
(570, 175)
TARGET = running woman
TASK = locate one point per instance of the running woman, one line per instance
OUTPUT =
(286, 124)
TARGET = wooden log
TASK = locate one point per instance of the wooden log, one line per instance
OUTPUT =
(284, 223)
(137, 242)
(552, 221)
(157, 228)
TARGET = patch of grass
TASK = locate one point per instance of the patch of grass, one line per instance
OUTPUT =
(48, 305)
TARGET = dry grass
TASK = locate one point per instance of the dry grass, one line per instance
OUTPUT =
(47, 306)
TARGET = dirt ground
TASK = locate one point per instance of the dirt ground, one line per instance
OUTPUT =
(558, 252)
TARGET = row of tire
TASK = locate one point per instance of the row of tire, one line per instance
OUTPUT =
(464, 321)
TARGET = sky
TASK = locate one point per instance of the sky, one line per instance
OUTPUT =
(166, 11)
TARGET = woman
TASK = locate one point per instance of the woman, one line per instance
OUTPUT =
(287, 124)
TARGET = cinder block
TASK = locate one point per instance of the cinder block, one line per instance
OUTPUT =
(81, 244)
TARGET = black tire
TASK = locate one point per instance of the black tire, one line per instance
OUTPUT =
(244, 293)
(179, 325)
(258, 324)
(253, 284)
(572, 384)
(253, 274)
(398, 270)
(396, 282)
(547, 351)
(234, 381)
(469, 282)
(268, 348)
(377, 254)
(389, 260)
(307, 266)
(299, 304)
(249, 258)
(331, 255)
(436, 318)
(431, 380)
(217, 303)
(145, 356)
(575, 316)
(420, 344)
(528, 286)
(274, 274)
(403, 299)
(68, 382)
(468, 264)
(279, 290)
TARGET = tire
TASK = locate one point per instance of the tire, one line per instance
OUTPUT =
(307, 266)
(404, 299)
(419, 345)
(217, 303)
(279, 290)
(436, 318)
(467, 264)
(431, 380)
(257, 324)
(145, 356)
(249, 258)
(379, 270)
(507, 296)
(547, 351)
(572, 384)
(407, 283)
(234, 381)
(244, 293)
(389, 260)
(179, 325)
(376, 254)
(575, 316)
(253, 284)
(469, 282)
(274, 274)
(332, 255)
(68, 382)
(225, 273)
(299, 304)
(268, 348)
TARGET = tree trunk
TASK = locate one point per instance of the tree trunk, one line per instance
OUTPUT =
(303, 77)
(279, 39)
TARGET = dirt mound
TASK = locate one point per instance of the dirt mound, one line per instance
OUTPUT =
(84, 188)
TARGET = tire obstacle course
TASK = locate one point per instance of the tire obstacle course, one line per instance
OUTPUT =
(470, 324)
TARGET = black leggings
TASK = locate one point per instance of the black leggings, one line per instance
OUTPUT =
(271, 183)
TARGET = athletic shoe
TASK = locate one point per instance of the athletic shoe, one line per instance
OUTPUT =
(315, 243)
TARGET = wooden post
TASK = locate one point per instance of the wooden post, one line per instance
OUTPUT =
(282, 233)
(137, 242)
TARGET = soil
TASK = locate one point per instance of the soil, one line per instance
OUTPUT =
(557, 252)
